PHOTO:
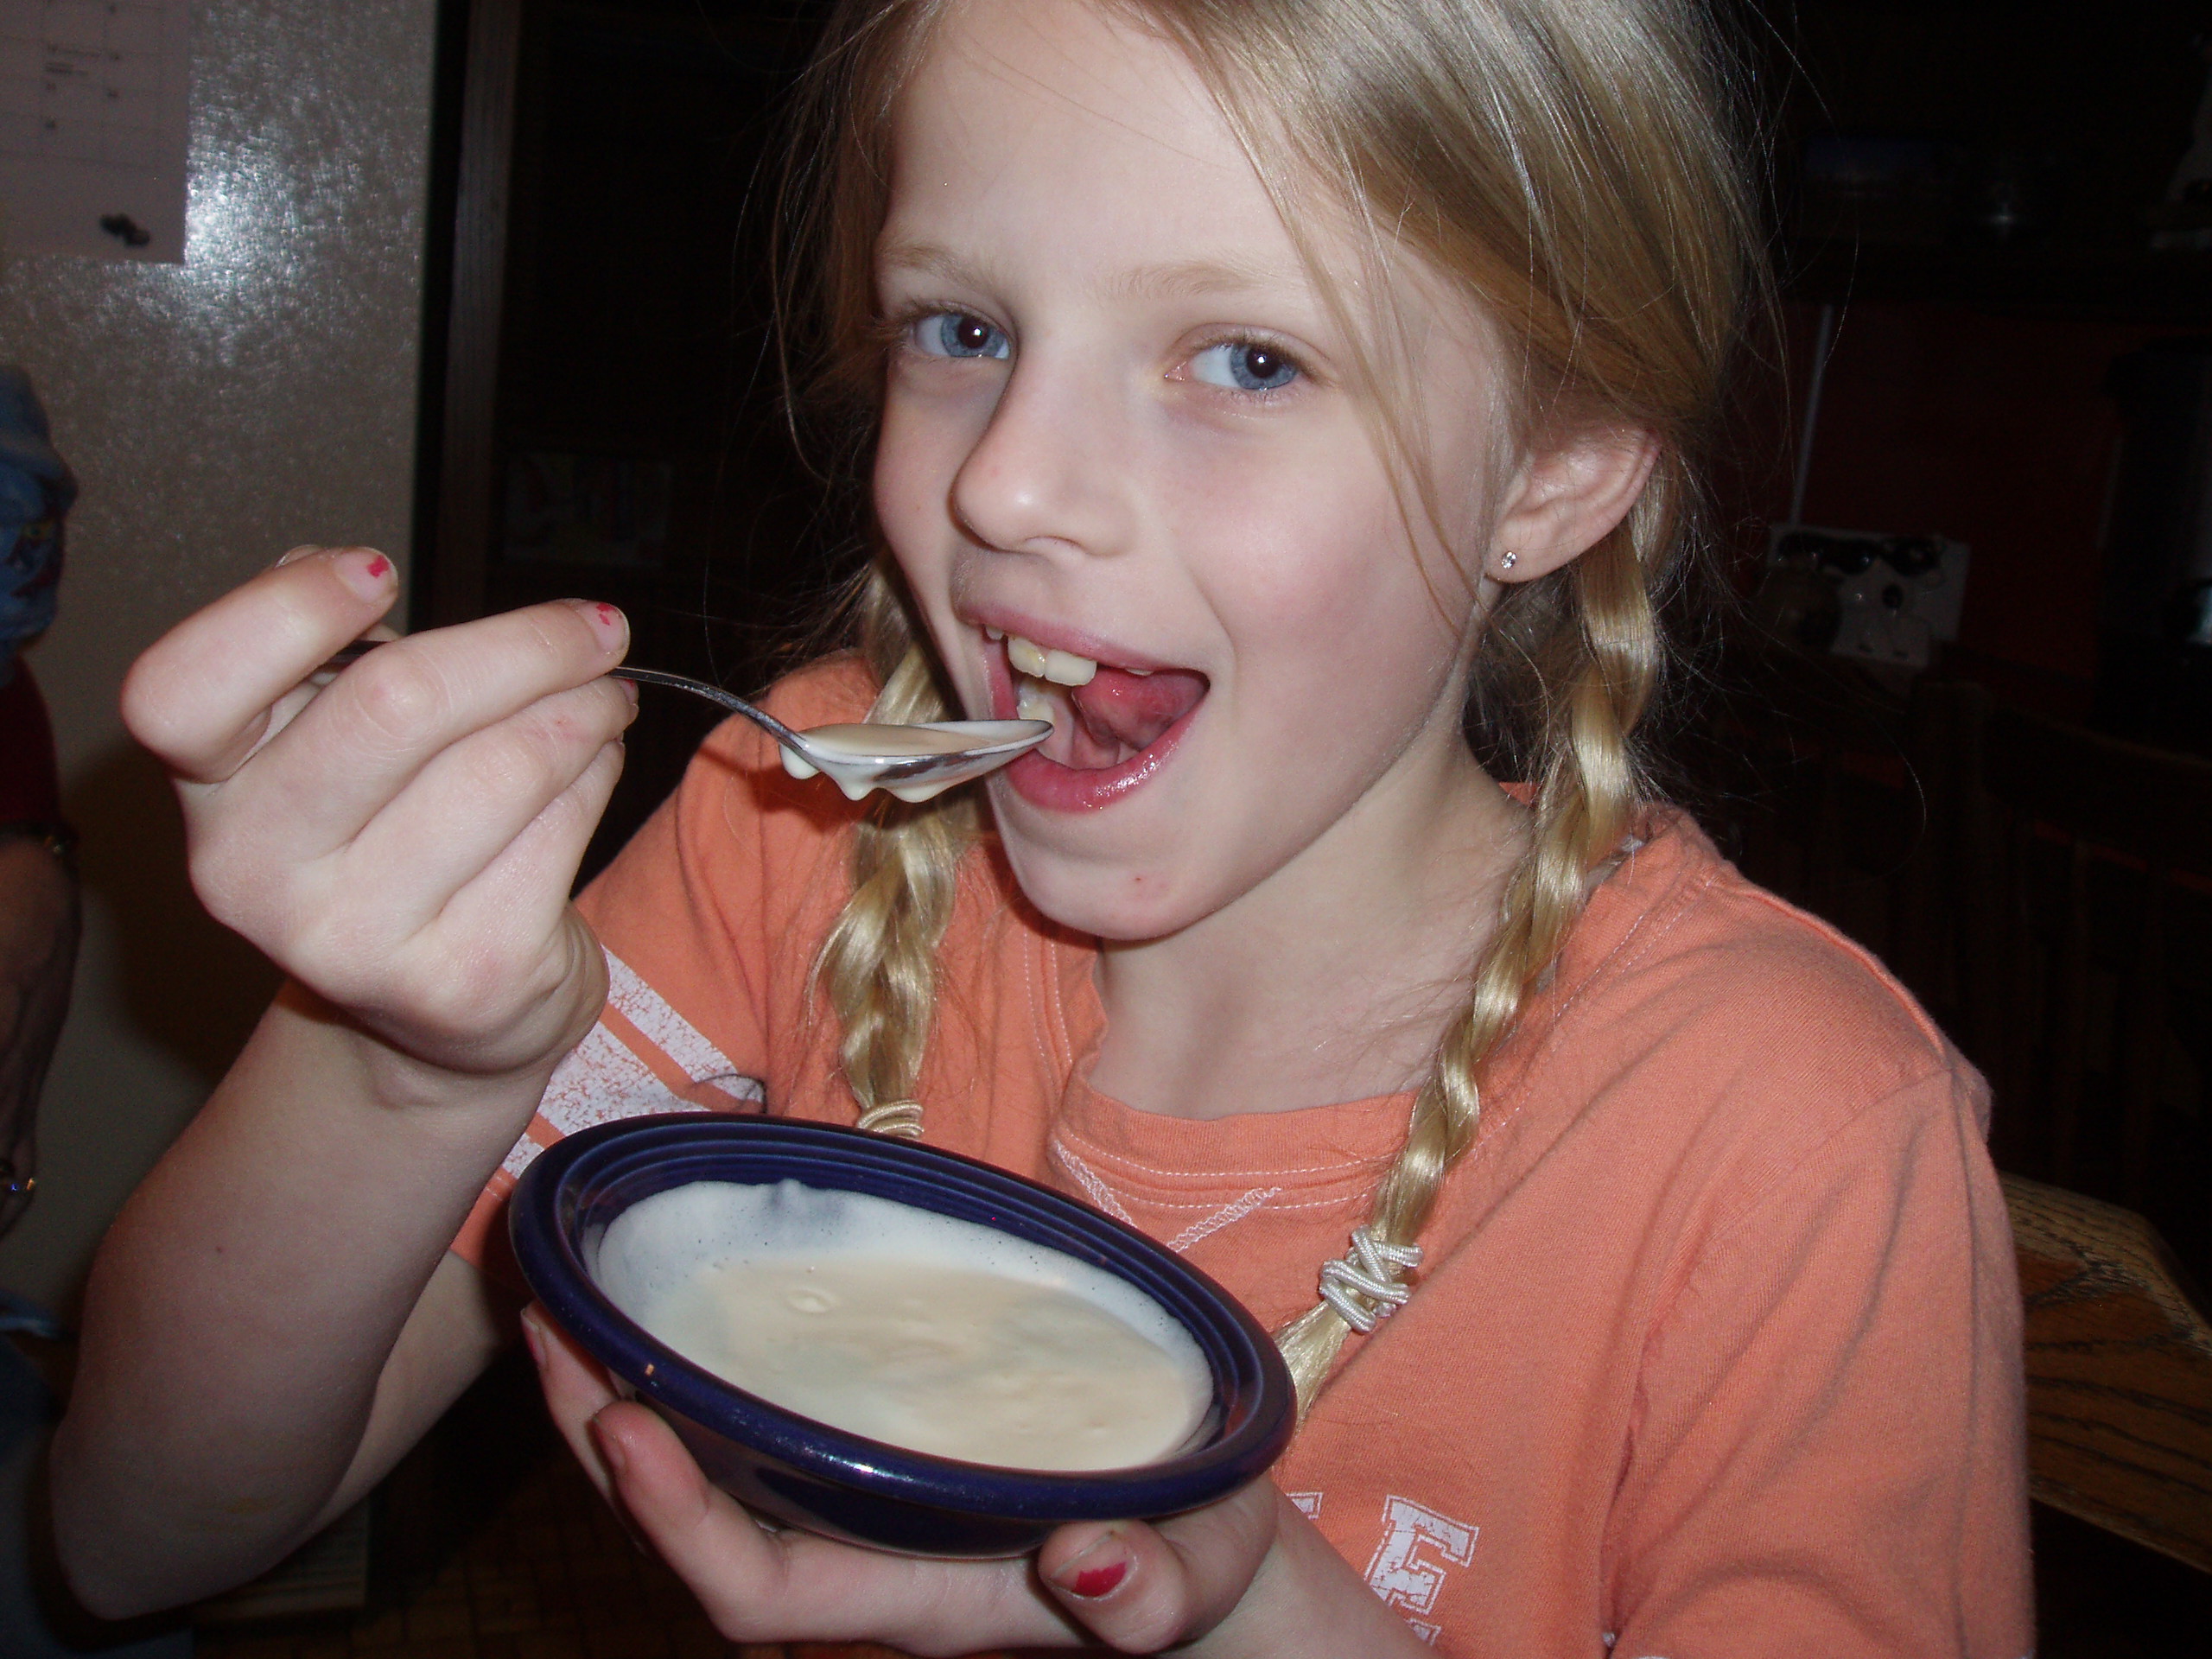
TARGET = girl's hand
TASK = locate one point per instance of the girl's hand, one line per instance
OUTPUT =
(1223, 1579)
(401, 840)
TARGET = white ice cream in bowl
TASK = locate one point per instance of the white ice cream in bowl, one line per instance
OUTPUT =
(928, 1333)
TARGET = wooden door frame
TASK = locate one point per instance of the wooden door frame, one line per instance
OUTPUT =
(465, 296)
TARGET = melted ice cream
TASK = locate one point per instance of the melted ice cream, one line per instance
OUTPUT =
(864, 741)
(858, 758)
(927, 1332)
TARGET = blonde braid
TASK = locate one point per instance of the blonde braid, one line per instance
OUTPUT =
(879, 966)
(1586, 799)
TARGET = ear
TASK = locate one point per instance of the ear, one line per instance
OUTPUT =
(1566, 498)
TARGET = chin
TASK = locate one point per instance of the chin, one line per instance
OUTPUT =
(1121, 904)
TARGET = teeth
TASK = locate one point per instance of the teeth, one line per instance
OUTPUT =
(1066, 668)
(1060, 667)
(1033, 704)
(995, 634)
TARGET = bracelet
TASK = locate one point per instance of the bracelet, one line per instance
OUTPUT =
(52, 834)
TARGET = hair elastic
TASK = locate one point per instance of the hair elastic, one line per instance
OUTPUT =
(895, 1117)
(1363, 1288)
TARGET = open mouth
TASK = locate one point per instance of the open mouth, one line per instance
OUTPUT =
(1111, 725)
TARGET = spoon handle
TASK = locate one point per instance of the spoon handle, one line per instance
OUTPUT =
(760, 717)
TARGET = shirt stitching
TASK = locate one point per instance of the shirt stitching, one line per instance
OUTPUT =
(1227, 1216)
(1210, 1205)
(1087, 1179)
(1092, 1149)
(1039, 1007)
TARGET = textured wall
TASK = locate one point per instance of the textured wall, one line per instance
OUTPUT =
(260, 394)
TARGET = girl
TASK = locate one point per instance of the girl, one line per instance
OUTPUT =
(1298, 401)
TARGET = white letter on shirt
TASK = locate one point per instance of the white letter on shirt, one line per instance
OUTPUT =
(1401, 1573)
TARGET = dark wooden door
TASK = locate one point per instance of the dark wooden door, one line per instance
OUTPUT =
(609, 420)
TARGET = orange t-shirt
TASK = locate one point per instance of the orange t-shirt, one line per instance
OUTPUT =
(1715, 1348)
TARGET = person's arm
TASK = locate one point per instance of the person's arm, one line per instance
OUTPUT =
(1829, 1455)
(38, 954)
(269, 1323)
(273, 1318)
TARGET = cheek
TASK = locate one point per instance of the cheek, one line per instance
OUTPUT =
(909, 478)
(1309, 562)
(918, 455)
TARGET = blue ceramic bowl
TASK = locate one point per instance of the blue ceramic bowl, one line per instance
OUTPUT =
(843, 1484)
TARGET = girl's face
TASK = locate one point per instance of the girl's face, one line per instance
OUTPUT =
(1119, 429)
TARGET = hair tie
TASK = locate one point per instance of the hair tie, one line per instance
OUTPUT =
(1363, 1288)
(902, 1117)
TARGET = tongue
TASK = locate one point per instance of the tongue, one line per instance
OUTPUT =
(1131, 710)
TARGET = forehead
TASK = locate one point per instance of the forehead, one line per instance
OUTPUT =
(1067, 132)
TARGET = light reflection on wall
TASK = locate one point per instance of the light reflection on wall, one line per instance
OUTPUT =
(259, 395)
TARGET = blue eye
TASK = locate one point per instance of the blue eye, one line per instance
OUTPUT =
(955, 334)
(1245, 365)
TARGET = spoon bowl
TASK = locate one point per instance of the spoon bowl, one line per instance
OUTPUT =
(912, 762)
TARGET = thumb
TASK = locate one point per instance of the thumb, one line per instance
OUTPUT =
(1141, 1588)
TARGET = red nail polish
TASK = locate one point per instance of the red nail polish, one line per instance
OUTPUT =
(605, 621)
(1095, 1581)
(364, 572)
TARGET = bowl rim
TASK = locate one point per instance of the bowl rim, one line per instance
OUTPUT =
(547, 1198)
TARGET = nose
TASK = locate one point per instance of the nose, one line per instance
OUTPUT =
(1051, 470)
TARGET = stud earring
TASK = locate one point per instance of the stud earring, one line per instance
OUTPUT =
(1509, 560)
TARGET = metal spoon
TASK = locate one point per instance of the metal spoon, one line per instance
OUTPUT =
(912, 762)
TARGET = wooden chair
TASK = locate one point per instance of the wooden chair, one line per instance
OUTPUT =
(2119, 1373)
(2084, 945)
(1831, 787)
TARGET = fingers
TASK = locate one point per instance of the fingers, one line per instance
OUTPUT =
(515, 889)
(1141, 1588)
(521, 688)
(756, 1585)
(576, 1391)
(512, 806)
(403, 838)
(201, 696)
(414, 774)
(733, 1564)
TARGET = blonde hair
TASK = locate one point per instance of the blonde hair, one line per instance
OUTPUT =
(1570, 164)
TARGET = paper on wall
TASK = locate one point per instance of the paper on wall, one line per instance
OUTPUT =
(93, 127)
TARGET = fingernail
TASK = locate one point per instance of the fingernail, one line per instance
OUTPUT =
(611, 1454)
(1098, 1572)
(610, 1449)
(609, 624)
(629, 690)
(297, 554)
(533, 1338)
(363, 569)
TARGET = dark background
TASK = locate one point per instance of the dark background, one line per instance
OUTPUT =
(1980, 305)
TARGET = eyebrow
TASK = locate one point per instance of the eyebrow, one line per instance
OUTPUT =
(1177, 278)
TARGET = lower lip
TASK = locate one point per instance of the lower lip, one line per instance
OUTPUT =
(1056, 788)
